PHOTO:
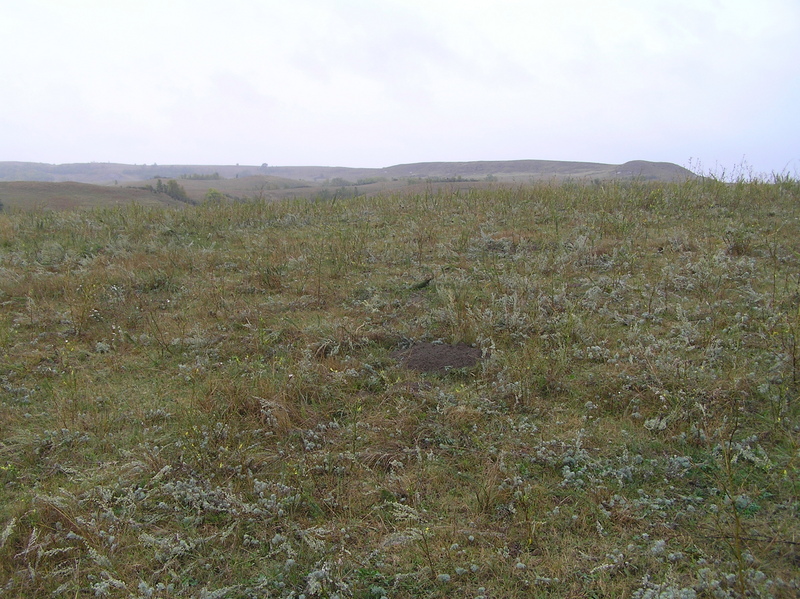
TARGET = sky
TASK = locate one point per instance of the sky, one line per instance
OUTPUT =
(713, 85)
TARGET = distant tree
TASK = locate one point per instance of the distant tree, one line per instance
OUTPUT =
(214, 195)
(176, 191)
(1, 205)
(173, 189)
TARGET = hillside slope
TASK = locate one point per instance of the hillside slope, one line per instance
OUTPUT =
(67, 195)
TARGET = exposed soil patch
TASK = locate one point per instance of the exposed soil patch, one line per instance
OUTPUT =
(437, 357)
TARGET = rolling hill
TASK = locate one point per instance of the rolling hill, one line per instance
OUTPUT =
(80, 185)
(108, 173)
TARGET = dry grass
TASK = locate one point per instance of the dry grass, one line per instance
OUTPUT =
(28, 195)
(203, 401)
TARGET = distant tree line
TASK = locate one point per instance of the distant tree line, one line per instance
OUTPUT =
(193, 176)
(201, 177)
(458, 179)
(339, 182)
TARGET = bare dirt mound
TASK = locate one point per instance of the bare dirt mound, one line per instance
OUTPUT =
(438, 357)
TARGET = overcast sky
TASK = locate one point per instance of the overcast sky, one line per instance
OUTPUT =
(371, 83)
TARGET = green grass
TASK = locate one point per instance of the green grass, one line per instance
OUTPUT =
(202, 401)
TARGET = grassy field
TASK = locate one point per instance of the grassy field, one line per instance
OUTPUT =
(206, 401)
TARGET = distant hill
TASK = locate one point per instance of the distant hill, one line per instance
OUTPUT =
(523, 170)
(64, 186)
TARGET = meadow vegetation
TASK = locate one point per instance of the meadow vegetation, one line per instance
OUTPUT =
(202, 401)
